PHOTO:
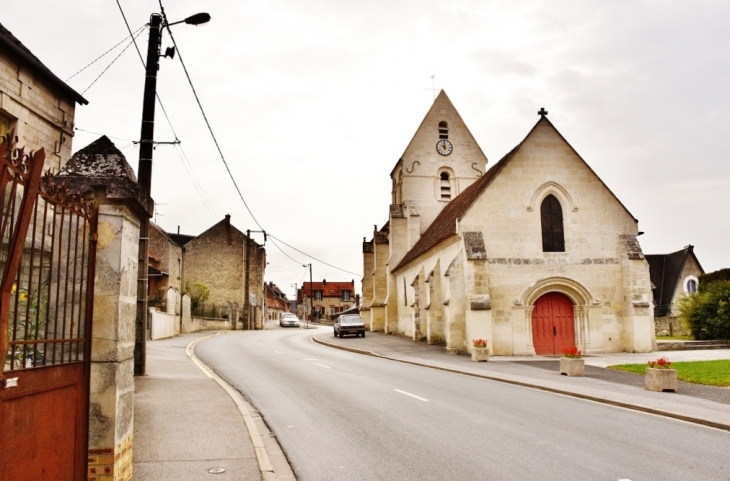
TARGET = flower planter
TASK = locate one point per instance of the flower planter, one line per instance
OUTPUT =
(480, 354)
(572, 366)
(660, 380)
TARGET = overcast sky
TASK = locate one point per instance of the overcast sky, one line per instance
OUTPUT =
(313, 102)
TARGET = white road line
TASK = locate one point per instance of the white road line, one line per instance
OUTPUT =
(278, 352)
(412, 395)
(310, 359)
(322, 365)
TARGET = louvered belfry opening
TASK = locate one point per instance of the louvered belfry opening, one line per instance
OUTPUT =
(551, 217)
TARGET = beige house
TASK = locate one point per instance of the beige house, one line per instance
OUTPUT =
(34, 103)
(534, 255)
(217, 259)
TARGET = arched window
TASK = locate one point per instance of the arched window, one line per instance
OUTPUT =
(690, 284)
(443, 130)
(445, 186)
(551, 217)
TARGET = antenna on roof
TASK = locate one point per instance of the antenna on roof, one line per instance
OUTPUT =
(433, 86)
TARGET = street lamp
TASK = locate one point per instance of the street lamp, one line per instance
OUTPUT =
(311, 293)
(144, 174)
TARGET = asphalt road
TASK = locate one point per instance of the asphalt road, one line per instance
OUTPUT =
(345, 416)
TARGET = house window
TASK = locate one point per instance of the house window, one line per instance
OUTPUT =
(551, 217)
(345, 295)
(317, 295)
(443, 130)
(333, 311)
(445, 186)
(690, 284)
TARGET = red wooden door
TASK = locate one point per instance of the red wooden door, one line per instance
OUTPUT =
(552, 324)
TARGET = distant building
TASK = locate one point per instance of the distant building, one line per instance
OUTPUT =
(673, 276)
(327, 298)
(276, 302)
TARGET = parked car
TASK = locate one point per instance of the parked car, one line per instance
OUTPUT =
(289, 320)
(349, 324)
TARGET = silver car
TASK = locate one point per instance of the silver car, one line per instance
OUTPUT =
(289, 320)
(349, 324)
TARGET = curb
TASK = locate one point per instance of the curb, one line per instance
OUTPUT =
(602, 400)
(267, 470)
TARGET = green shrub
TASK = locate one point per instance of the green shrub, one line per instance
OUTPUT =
(707, 313)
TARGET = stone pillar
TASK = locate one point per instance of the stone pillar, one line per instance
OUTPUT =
(101, 168)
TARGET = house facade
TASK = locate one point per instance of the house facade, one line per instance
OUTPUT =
(325, 299)
(34, 103)
(276, 302)
(534, 255)
(673, 276)
(217, 260)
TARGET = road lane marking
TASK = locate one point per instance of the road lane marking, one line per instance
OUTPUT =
(412, 395)
(278, 352)
(322, 365)
(310, 359)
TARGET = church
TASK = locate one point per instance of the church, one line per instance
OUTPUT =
(534, 253)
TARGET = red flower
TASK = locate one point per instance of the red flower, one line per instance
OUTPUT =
(572, 352)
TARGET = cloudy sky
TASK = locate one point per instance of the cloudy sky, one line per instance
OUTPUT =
(312, 104)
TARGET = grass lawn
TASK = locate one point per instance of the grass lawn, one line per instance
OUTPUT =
(713, 373)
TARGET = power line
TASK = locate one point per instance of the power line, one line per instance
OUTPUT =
(220, 152)
(112, 63)
(102, 55)
(96, 133)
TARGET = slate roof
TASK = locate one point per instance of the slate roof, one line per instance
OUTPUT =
(180, 239)
(99, 159)
(665, 271)
(444, 226)
(9, 41)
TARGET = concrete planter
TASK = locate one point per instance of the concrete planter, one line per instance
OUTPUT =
(572, 366)
(660, 380)
(480, 354)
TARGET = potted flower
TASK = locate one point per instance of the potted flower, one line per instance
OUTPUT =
(572, 363)
(660, 376)
(480, 351)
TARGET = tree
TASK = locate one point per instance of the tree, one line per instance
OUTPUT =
(707, 312)
(198, 294)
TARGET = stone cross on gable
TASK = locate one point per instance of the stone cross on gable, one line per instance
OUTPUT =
(542, 112)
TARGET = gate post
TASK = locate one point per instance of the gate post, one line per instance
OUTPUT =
(102, 168)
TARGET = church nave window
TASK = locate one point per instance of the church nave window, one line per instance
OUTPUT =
(551, 217)
(443, 130)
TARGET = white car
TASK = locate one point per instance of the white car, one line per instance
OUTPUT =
(289, 320)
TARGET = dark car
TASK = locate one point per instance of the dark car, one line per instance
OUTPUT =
(349, 324)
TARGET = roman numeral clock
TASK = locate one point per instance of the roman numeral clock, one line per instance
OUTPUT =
(444, 147)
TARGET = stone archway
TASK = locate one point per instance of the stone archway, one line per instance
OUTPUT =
(573, 301)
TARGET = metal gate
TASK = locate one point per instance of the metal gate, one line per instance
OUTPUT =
(553, 327)
(47, 256)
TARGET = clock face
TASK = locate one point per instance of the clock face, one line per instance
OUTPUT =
(444, 147)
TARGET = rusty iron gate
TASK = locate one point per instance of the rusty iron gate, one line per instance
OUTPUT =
(47, 256)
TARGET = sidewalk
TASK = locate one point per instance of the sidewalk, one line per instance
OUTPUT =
(705, 405)
(185, 424)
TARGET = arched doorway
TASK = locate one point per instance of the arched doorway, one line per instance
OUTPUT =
(553, 327)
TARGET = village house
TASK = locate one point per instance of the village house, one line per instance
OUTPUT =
(535, 254)
(673, 276)
(276, 302)
(34, 103)
(165, 271)
(325, 298)
(216, 259)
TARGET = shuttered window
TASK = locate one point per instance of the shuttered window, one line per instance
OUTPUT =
(551, 216)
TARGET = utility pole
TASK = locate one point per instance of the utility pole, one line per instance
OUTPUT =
(144, 174)
(246, 301)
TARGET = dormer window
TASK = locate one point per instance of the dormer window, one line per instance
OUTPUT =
(443, 130)
(445, 186)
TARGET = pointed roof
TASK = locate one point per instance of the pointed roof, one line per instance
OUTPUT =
(9, 41)
(665, 271)
(442, 101)
(445, 224)
(99, 159)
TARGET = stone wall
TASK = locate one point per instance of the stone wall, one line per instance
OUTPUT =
(669, 326)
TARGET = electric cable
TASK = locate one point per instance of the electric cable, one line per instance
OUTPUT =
(102, 55)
